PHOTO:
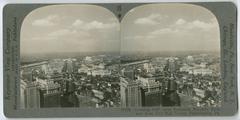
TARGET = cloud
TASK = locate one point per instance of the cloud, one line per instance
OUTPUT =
(180, 28)
(140, 37)
(77, 23)
(152, 19)
(202, 25)
(54, 35)
(196, 24)
(62, 32)
(48, 21)
(164, 31)
(98, 25)
(154, 34)
(180, 21)
(93, 25)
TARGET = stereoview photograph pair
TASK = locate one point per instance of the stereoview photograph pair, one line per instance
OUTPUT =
(120, 59)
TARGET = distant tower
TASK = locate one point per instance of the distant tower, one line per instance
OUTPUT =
(172, 67)
(69, 66)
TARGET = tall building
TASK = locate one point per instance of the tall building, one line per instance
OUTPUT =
(50, 95)
(23, 96)
(172, 65)
(190, 60)
(68, 66)
(129, 73)
(171, 97)
(69, 98)
(32, 95)
(152, 92)
(131, 93)
(123, 91)
(134, 94)
(152, 98)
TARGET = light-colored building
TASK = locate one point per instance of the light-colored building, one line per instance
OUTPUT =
(23, 86)
(98, 94)
(33, 95)
(186, 68)
(100, 72)
(200, 93)
(131, 94)
(202, 71)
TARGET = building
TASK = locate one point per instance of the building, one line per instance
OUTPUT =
(171, 97)
(189, 60)
(98, 94)
(202, 71)
(100, 72)
(123, 91)
(33, 70)
(131, 93)
(68, 66)
(153, 98)
(50, 95)
(56, 65)
(88, 59)
(200, 93)
(152, 95)
(83, 69)
(134, 92)
(33, 95)
(186, 68)
(172, 66)
(140, 92)
(196, 70)
(23, 96)
(129, 73)
(148, 67)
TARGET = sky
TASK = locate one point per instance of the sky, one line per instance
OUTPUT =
(169, 27)
(148, 28)
(70, 28)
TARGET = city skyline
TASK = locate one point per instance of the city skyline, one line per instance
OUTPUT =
(99, 81)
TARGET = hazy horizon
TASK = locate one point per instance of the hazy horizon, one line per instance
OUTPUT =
(40, 56)
(122, 53)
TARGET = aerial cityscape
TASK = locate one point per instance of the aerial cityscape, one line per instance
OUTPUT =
(156, 55)
(122, 81)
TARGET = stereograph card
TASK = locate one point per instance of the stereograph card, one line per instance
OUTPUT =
(120, 59)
